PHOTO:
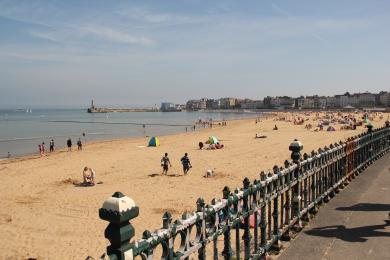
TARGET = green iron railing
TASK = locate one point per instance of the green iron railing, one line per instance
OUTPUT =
(275, 205)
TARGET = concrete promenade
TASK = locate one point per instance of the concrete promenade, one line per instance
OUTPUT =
(353, 225)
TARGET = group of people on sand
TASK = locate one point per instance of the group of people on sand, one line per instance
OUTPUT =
(205, 123)
(214, 146)
(166, 163)
(79, 145)
(329, 120)
(41, 147)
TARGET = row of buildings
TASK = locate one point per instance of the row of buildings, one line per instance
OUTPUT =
(347, 100)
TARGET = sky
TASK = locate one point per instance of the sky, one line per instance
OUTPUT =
(140, 53)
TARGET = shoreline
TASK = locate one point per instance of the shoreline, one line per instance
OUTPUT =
(31, 156)
(22, 145)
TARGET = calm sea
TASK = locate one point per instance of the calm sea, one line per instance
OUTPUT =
(21, 131)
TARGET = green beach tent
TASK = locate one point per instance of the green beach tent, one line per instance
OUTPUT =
(154, 142)
(213, 140)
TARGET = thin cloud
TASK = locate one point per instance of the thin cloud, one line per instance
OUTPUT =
(280, 10)
(44, 36)
(284, 12)
(112, 35)
(38, 57)
(144, 15)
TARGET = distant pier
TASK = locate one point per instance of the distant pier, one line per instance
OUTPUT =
(94, 109)
(120, 110)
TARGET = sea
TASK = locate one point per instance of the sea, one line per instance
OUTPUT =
(22, 130)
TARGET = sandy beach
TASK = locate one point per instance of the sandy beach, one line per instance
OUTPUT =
(45, 216)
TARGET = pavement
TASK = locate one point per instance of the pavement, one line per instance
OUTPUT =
(355, 224)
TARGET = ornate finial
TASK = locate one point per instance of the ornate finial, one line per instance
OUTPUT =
(295, 148)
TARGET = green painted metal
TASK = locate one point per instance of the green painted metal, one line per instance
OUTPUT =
(272, 206)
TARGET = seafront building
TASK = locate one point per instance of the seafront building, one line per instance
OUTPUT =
(365, 100)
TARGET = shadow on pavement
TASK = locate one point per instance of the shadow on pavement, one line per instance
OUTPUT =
(366, 207)
(357, 234)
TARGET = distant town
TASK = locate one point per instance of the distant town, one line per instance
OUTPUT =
(366, 101)
(346, 101)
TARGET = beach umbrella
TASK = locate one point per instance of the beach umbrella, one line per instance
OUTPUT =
(154, 142)
(213, 140)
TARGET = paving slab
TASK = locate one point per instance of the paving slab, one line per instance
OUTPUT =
(355, 224)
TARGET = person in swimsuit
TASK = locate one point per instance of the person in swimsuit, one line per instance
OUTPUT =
(164, 163)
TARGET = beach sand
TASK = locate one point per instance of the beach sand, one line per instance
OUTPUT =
(44, 216)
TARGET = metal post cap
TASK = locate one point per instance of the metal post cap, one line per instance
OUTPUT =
(118, 203)
(118, 208)
(296, 146)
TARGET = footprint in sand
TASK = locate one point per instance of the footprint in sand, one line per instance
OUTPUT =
(5, 218)
(27, 199)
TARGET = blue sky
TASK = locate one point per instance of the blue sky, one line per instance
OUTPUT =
(63, 53)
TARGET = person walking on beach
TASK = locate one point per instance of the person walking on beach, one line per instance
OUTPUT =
(79, 145)
(69, 144)
(40, 149)
(43, 148)
(164, 163)
(51, 144)
(185, 161)
(8, 155)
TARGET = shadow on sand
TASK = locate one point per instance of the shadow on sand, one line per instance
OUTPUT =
(161, 175)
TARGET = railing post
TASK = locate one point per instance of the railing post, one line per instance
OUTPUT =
(276, 187)
(306, 188)
(287, 205)
(313, 185)
(370, 149)
(255, 198)
(119, 210)
(247, 234)
(167, 220)
(216, 226)
(200, 205)
(326, 173)
(237, 226)
(227, 249)
(263, 221)
(296, 148)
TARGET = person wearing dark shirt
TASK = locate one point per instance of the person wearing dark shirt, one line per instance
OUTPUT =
(79, 145)
(164, 163)
(69, 144)
(185, 161)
